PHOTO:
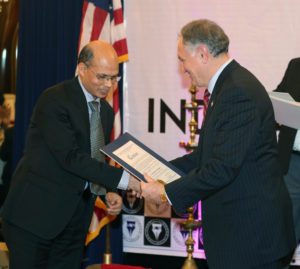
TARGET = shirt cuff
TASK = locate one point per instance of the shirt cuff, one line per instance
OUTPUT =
(124, 182)
(168, 197)
(297, 141)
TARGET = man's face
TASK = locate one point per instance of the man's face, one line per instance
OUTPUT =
(100, 76)
(191, 64)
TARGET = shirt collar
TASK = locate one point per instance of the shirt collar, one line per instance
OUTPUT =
(215, 77)
(87, 95)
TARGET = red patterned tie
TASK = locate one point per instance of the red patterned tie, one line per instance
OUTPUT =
(205, 102)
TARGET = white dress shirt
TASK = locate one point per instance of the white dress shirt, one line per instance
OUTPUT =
(297, 141)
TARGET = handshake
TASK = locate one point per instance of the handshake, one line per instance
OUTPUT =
(152, 190)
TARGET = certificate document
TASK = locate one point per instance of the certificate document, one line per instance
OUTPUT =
(137, 159)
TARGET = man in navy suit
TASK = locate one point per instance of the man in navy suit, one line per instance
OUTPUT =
(246, 210)
(48, 209)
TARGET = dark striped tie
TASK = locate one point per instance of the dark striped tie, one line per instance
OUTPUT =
(97, 141)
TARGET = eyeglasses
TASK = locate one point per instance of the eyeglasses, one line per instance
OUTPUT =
(104, 77)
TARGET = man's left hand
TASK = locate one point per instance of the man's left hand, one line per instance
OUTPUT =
(114, 203)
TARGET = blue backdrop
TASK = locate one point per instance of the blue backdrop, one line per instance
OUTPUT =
(47, 54)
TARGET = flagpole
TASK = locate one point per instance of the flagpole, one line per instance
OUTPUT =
(107, 257)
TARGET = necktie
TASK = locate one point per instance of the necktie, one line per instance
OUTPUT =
(205, 102)
(97, 141)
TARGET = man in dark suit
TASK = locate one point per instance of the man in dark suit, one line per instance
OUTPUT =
(49, 206)
(246, 210)
(289, 142)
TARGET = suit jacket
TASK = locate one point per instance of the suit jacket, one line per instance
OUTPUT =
(246, 209)
(50, 178)
(291, 84)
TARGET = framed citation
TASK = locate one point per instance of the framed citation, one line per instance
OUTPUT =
(138, 159)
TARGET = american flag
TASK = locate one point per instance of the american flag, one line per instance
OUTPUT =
(103, 20)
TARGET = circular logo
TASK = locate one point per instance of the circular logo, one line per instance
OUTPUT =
(132, 228)
(201, 243)
(157, 232)
(157, 209)
(179, 234)
(131, 204)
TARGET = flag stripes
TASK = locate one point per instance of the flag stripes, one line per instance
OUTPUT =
(103, 20)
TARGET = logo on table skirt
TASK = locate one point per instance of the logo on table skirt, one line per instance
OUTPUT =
(132, 204)
(132, 228)
(200, 236)
(157, 211)
(157, 232)
(180, 235)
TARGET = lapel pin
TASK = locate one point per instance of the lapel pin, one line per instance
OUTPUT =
(212, 103)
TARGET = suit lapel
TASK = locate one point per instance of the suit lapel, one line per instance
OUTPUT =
(213, 99)
(78, 99)
(218, 88)
(104, 118)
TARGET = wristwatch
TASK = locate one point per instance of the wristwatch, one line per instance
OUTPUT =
(163, 196)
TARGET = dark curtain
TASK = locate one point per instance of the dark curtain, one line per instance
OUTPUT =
(47, 54)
